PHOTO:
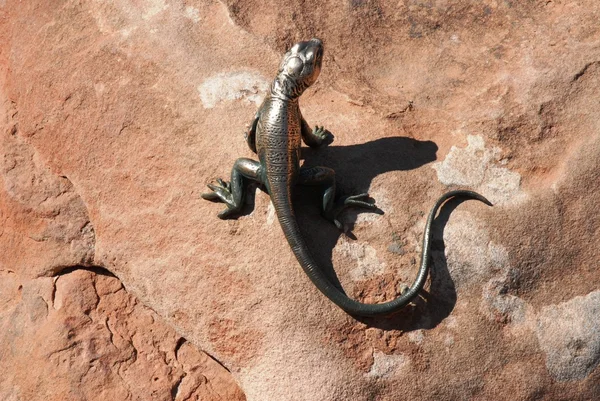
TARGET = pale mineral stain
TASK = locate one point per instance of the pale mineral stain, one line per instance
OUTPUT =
(236, 85)
(416, 336)
(473, 259)
(479, 168)
(368, 264)
(451, 322)
(192, 13)
(449, 340)
(467, 250)
(153, 8)
(386, 365)
(126, 32)
(568, 335)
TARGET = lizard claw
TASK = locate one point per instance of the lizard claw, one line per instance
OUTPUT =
(220, 192)
(360, 200)
(323, 136)
(224, 184)
(227, 213)
(355, 200)
(338, 224)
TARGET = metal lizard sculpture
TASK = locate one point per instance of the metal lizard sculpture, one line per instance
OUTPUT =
(275, 135)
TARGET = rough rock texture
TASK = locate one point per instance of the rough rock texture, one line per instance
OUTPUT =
(116, 114)
(81, 336)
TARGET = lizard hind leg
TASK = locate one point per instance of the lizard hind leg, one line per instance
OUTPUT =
(331, 207)
(233, 193)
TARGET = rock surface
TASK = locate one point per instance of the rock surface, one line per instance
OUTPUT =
(115, 115)
(81, 336)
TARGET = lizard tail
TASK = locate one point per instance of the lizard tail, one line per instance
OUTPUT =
(287, 219)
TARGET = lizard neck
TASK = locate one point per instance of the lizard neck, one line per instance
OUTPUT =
(282, 90)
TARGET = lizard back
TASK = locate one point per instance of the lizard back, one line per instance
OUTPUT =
(278, 140)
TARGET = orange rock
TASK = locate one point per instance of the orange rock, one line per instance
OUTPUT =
(114, 116)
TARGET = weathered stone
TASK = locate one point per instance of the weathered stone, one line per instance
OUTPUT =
(141, 103)
(568, 334)
(81, 336)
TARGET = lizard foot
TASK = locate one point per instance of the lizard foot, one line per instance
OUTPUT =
(221, 192)
(361, 200)
(322, 136)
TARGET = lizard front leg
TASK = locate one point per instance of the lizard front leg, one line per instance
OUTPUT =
(233, 193)
(317, 137)
(331, 208)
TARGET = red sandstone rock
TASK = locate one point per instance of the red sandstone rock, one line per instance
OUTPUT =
(119, 113)
(81, 336)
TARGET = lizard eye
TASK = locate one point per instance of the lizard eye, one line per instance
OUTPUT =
(294, 66)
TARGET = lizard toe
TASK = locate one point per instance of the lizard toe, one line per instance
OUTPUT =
(357, 197)
(357, 203)
(211, 196)
(219, 193)
(338, 224)
(227, 213)
(224, 184)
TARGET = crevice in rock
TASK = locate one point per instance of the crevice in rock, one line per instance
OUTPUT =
(58, 351)
(49, 200)
(180, 342)
(53, 293)
(175, 388)
(584, 70)
(217, 361)
(93, 269)
(111, 335)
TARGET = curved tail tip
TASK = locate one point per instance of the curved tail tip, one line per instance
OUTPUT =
(487, 202)
(465, 193)
(480, 198)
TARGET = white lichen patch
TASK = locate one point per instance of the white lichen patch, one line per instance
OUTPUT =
(473, 259)
(153, 8)
(229, 86)
(497, 303)
(568, 334)
(368, 264)
(416, 336)
(192, 13)
(478, 168)
(386, 365)
(467, 249)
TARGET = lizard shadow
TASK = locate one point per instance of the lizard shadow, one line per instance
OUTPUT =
(355, 168)
(357, 165)
(372, 159)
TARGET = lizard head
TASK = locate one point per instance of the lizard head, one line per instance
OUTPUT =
(299, 69)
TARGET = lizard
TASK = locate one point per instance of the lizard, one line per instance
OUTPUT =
(275, 135)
